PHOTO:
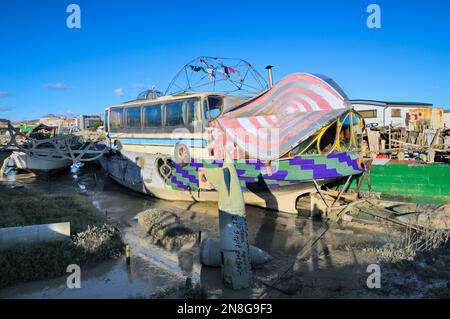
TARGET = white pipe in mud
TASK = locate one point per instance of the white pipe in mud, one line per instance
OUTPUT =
(32, 234)
(210, 254)
(233, 231)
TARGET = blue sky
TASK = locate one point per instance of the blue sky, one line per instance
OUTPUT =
(47, 68)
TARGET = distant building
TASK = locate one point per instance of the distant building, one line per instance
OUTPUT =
(58, 121)
(85, 122)
(398, 114)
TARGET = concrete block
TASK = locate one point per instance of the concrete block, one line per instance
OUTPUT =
(33, 234)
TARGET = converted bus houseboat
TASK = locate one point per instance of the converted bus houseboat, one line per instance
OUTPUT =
(161, 145)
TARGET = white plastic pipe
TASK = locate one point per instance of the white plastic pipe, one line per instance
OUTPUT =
(210, 254)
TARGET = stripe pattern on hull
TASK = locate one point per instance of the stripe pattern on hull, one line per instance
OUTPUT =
(253, 173)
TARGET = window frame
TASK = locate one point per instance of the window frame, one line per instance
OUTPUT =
(106, 120)
(348, 115)
(375, 112)
(315, 141)
(144, 117)
(399, 113)
(187, 112)
(183, 115)
(115, 128)
(336, 138)
(208, 111)
(127, 125)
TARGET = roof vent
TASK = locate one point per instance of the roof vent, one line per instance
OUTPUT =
(149, 95)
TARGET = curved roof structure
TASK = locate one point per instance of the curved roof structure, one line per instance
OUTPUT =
(274, 122)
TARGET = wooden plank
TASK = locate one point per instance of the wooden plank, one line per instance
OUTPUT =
(374, 140)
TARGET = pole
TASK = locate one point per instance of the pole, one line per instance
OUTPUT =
(270, 75)
(235, 255)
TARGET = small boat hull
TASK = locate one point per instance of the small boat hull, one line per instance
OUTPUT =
(37, 165)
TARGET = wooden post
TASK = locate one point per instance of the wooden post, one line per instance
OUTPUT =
(390, 144)
(235, 254)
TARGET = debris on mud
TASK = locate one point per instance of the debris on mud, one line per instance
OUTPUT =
(165, 229)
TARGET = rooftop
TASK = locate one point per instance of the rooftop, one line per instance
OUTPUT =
(387, 104)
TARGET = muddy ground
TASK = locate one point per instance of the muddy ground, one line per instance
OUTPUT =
(311, 259)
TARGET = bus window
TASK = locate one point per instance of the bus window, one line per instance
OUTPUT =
(133, 117)
(190, 106)
(107, 121)
(215, 105)
(152, 116)
(174, 114)
(116, 119)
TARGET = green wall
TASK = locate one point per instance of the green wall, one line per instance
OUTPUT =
(425, 183)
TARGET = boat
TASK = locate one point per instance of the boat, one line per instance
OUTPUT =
(38, 149)
(286, 140)
(41, 159)
(39, 166)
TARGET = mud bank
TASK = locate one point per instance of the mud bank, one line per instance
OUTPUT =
(311, 259)
(92, 240)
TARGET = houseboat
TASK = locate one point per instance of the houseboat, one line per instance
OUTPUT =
(285, 141)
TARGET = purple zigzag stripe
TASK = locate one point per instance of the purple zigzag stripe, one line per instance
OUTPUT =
(180, 184)
(344, 157)
(191, 178)
(185, 173)
(319, 170)
(300, 161)
(257, 164)
(248, 179)
(278, 175)
(197, 165)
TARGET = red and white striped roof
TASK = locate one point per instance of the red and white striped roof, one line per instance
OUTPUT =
(287, 114)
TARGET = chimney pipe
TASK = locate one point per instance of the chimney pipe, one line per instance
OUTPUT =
(269, 69)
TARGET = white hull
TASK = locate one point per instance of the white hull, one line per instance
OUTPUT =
(146, 180)
(30, 163)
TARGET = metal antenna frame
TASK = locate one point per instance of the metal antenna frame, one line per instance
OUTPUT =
(248, 81)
